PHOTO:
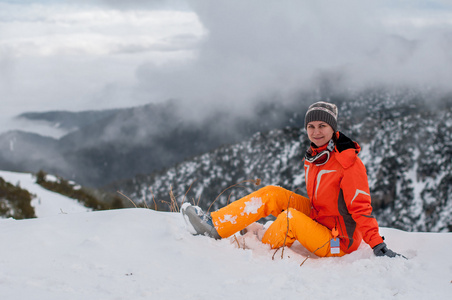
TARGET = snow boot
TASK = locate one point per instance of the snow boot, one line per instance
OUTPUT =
(197, 222)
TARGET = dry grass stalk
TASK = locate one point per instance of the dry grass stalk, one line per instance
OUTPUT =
(307, 257)
(229, 199)
(145, 205)
(185, 195)
(341, 236)
(237, 241)
(127, 198)
(274, 253)
(287, 231)
(166, 202)
(305, 260)
(153, 199)
(173, 205)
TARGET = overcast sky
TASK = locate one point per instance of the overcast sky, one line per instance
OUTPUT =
(97, 54)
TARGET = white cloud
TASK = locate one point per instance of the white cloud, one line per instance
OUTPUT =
(65, 56)
(47, 30)
(256, 50)
(77, 55)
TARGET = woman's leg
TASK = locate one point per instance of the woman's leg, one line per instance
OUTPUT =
(298, 226)
(269, 200)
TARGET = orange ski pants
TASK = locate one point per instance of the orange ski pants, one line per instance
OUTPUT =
(276, 201)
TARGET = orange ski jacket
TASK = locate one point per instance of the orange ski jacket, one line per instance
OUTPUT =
(340, 196)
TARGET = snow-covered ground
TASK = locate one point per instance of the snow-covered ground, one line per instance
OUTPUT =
(144, 254)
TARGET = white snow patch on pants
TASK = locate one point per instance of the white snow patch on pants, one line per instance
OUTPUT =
(290, 216)
(229, 218)
(252, 206)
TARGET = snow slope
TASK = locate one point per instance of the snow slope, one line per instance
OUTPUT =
(46, 203)
(144, 254)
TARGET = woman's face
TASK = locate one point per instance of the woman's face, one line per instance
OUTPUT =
(319, 132)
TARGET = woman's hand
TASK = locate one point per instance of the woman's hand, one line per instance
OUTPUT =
(382, 250)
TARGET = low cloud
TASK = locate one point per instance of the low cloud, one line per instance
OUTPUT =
(215, 54)
(254, 50)
(68, 55)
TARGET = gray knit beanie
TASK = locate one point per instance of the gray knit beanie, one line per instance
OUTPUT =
(322, 111)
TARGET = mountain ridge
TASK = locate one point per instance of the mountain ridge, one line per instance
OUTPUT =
(405, 134)
(135, 140)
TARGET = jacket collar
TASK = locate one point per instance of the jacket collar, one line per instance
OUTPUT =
(347, 150)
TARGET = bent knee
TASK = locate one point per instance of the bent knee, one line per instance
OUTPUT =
(273, 190)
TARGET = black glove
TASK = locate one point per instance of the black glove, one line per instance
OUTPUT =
(382, 250)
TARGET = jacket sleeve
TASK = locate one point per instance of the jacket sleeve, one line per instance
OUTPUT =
(355, 187)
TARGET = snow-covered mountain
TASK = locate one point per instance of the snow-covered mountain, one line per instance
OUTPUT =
(406, 145)
(405, 134)
(144, 254)
(112, 145)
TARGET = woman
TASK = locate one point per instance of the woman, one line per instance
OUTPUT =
(331, 222)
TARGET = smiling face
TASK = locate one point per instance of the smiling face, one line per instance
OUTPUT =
(319, 132)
